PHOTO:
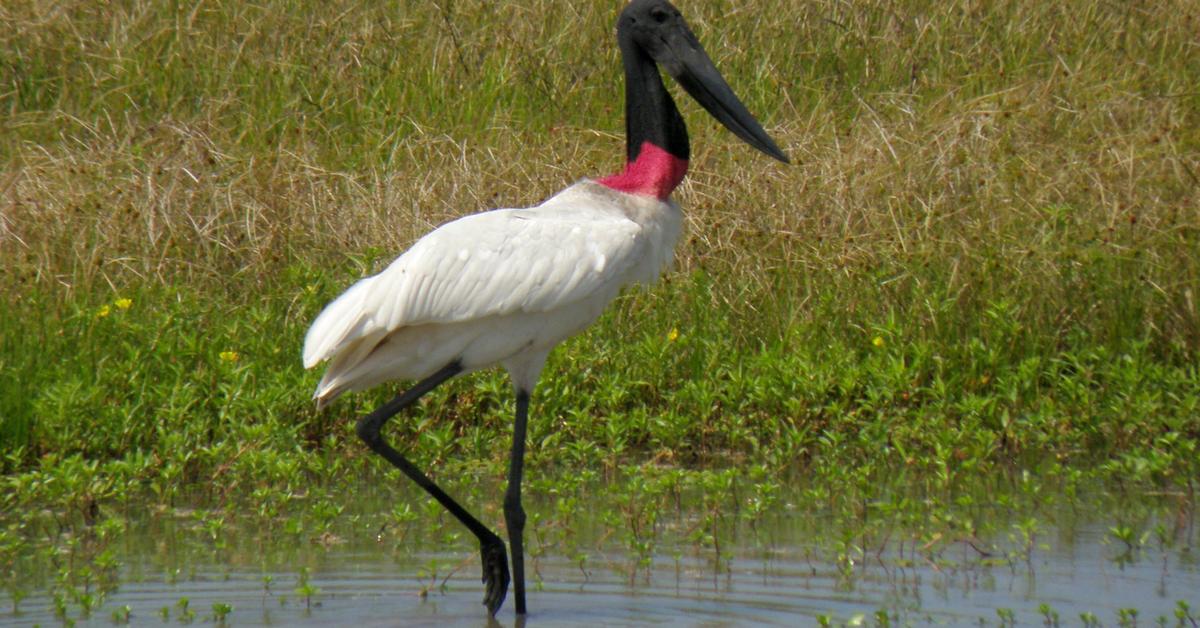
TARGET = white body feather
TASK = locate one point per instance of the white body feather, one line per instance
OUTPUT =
(500, 287)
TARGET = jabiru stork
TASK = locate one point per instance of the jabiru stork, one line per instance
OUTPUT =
(506, 286)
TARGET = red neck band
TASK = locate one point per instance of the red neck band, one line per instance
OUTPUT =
(655, 173)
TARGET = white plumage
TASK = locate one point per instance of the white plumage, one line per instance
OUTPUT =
(499, 287)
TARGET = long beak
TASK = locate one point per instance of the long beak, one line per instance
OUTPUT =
(694, 70)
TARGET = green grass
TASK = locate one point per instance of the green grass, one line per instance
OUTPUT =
(984, 259)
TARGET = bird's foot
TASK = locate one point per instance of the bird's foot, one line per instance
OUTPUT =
(495, 574)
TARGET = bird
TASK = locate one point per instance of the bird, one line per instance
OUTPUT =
(505, 286)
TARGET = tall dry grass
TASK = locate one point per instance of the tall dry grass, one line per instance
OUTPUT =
(948, 155)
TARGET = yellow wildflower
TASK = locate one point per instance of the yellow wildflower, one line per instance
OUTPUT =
(123, 303)
(673, 335)
(229, 356)
(877, 341)
(103, 311)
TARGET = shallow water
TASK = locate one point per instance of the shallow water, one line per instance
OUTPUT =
(782, 572)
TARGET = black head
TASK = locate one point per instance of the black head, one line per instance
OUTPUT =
(657, 29)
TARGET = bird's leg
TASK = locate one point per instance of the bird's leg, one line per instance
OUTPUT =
(491, 548)
(514, 514)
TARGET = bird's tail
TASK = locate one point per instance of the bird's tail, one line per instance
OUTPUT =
(339, 324)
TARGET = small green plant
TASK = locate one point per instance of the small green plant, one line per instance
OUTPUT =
(1125, 534)
(122, 614)
(1130, 541)
(1026, 534)
(1184, 616)
(267, 579)
(183, 611)
(1050, 617)
(305, 589)
(60, 605)
(221, 610)
(16, 594)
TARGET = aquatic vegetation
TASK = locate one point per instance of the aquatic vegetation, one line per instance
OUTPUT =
(221, 610)
(1049, 615)
(183, 612)
(305, 589)
(638, 526)
(121, 614)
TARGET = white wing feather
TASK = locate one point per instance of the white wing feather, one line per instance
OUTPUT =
(494, 263)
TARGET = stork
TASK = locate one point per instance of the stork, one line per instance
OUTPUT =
(506, 286)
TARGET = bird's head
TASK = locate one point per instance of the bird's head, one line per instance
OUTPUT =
(658, 29)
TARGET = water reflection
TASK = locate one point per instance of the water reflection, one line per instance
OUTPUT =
(789, 567)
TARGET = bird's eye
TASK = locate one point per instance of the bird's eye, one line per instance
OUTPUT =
(659, 15)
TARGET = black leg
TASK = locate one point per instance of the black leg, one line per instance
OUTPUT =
(491, 548)
(514, 514)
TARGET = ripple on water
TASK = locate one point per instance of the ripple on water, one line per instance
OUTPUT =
(779, 585)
